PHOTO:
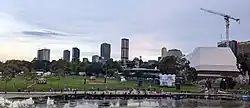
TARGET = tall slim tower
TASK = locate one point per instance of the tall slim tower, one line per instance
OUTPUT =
(75, 54)
(124, 50)
(164, 52)
(66, 55)
(105, 51)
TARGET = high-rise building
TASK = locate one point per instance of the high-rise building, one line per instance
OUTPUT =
(164, 52)
(124, 50)
(105, 51)
(232, 44)
(43, 54)
(75, 54)
(244, 47)
(66, 55)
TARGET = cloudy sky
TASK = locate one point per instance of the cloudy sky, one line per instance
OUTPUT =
(27, 25)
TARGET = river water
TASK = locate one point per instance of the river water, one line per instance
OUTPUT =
(149, 103)
(145, 103)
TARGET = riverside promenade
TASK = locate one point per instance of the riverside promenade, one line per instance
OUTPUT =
(119, 94)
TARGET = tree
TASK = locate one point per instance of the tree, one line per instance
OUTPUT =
(94, 68)
(111, 72)
(75, 67)
(190, 74)
(83, 66)
(59, 72)
(178, 66)
(169, 65)
(117, 66)
(53, 65)
(29, 76)
(1, 66)
(243, 63)
(67, 68)
(12, 68)
(6, 75)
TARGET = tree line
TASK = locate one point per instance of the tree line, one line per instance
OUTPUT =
(59, 67)
(169, 64)
(243, 63)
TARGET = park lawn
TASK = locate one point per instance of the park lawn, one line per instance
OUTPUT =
(78, 82)
(14, 84)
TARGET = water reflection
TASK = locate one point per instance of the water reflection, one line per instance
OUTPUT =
(146, 103)
(150, 103)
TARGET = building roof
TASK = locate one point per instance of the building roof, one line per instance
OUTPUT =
(213, 59)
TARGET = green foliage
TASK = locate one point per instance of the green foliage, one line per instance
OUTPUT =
(58, 67)
(169, 64)
(178, 66)
(78, 82)
(243, 61)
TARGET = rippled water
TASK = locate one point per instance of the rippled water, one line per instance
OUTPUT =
(150, 103)
(146, 103)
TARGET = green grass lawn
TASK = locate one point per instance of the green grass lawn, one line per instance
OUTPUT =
(78, 82)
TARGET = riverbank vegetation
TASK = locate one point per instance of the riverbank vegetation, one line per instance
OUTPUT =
(20, 74)
(77, 82)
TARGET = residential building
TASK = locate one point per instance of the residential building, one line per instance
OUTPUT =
(124, 50)
(75, 54)
(66, 55)
(43, 54)
(244, 47)
(105, 51)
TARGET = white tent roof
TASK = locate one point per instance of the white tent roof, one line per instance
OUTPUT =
(212, 59)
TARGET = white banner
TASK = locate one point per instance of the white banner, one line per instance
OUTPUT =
(167, 80)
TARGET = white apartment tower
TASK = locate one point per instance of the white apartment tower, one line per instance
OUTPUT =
(124, 50)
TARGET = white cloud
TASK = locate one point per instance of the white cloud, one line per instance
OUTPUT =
(9, 24)
(16, 45)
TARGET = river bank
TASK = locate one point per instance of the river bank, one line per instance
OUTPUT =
(119, 95)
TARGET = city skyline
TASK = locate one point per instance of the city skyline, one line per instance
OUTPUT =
(149, 25)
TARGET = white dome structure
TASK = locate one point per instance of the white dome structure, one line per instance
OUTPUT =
(216, 60)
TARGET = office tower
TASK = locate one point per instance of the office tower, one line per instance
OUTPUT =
(66, 55)
(232, 44)
(164, 52)
(43, 54)
(105, 51)
(124, 50)
(75, 54)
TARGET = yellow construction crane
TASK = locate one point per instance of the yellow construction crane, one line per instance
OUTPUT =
(226, 17)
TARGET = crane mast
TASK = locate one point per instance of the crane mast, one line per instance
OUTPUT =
(226, 18)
